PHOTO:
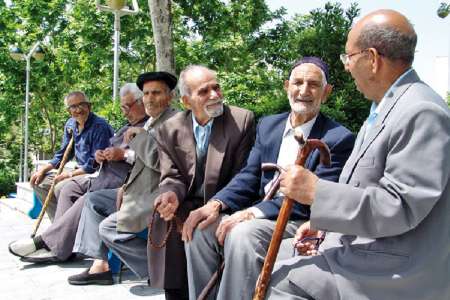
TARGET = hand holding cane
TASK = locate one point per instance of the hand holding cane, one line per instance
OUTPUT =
(285, 211)
(52, 187)
(269, 195)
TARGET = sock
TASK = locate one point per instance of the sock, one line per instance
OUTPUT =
(39, 243)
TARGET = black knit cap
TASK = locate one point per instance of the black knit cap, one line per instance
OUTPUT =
(168, 78)
(311, 60)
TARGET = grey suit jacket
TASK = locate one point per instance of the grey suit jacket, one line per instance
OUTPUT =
(390, 211)
(141, 188)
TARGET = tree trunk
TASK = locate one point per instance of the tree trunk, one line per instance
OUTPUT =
(161, 15)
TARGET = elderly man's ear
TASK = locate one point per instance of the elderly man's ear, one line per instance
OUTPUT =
(327, 92)
(185, 101)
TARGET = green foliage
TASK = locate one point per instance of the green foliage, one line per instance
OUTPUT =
(250, 46)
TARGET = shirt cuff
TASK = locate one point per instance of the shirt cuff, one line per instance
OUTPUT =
(257, 212)
(223, 206)
(130, 156)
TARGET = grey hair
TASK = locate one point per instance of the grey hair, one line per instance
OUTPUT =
(389, 42)
(76, 94)
(131, 88)
(183, 87)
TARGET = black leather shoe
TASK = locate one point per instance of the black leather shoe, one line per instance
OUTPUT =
(103, 278)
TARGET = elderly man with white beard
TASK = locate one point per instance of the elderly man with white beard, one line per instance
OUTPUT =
(243, 237)
(200, 150)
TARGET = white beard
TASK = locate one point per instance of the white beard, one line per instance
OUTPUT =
(214, 112)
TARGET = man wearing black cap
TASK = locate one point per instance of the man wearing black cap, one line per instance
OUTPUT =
(114, 218)
(245, 235)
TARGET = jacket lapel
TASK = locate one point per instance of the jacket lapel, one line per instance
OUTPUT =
(390, 101)
(188, 145)
(316, 133)
(216, 152)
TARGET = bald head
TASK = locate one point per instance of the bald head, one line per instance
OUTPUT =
(389, 32)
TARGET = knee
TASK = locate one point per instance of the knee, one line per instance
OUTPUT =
(202, 237)
(89, 200)
(242, 233)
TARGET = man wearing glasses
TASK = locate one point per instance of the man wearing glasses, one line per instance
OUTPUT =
(387, 220)
(90, 132)
(56, 242)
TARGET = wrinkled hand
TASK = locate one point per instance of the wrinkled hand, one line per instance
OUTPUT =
(201, 217)
(298, 184)
(227, 224)
(301, 240)
(99, 156)
(119, 198)
(114, 154)
(37, 178)
(131, 133)
(61, 177)
(166, 205)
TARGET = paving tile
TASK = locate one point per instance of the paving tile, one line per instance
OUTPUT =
(24, 281)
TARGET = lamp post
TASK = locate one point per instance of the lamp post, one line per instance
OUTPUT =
(119, 9)
(36, 52)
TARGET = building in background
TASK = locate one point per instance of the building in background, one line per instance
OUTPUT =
(440, 81)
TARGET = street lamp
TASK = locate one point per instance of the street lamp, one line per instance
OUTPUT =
(36, 52)
(119, 9)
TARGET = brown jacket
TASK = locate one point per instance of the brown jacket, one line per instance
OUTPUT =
(232, 136)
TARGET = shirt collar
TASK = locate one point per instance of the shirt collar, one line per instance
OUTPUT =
(305, 127)
(196, 124)
(380, 105)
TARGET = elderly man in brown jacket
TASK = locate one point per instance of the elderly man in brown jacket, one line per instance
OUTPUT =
(200, 151)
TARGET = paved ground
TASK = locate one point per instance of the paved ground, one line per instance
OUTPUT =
(24, 281)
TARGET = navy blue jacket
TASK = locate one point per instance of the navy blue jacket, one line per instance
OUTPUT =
(247, 187)
(95, 136)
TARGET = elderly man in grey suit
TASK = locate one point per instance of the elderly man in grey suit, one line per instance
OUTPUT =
(387, 220)
(105, 223)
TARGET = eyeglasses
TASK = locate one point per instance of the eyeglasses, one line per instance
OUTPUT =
(74, 107)
(128, 107)
(345, 58)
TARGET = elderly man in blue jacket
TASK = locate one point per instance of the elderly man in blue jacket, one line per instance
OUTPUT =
(245, 235)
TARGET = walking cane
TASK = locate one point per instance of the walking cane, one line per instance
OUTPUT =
(52, 187)
(285, 211)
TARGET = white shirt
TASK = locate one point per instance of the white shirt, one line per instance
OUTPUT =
(288, 152)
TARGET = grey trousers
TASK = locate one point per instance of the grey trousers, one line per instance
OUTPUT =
(60, 235)
(97, 206)
(43, 188)
(302, 277)
(244, 251)
(131, 249)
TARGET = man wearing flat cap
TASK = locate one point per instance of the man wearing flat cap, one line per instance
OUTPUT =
(245, 235)
(112, 219)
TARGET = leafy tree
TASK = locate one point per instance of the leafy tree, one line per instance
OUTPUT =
(250, 46)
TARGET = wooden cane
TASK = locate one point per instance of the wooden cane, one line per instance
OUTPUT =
(52, 187)
(270, 193)
(285, 211)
